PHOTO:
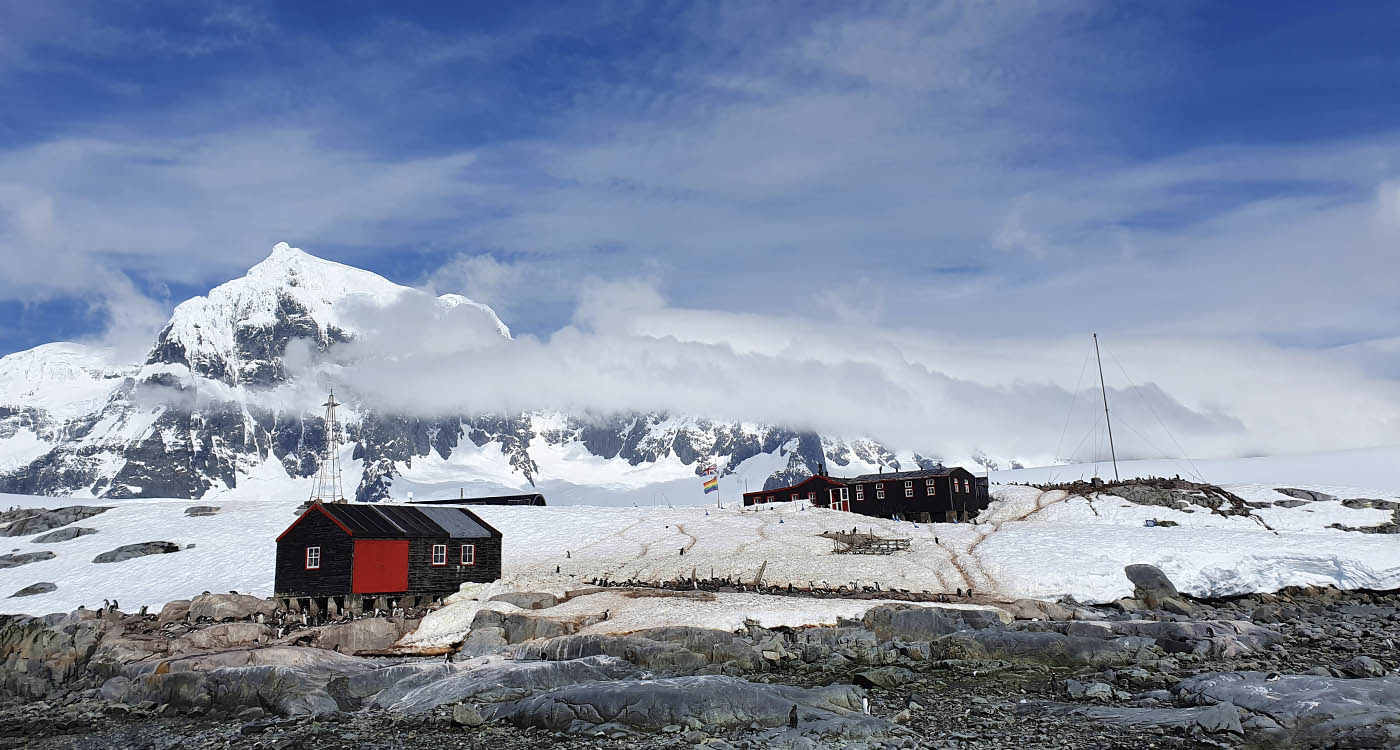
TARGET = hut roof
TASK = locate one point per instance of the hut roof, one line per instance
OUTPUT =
(385, 521)
(892, 476)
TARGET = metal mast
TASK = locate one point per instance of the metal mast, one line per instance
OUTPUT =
(1112, 454)
(328, 487)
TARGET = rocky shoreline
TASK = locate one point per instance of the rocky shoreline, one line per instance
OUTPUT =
(1307, 667)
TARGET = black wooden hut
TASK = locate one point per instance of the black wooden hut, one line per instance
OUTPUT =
(392, 554)
(818, 489)
(942, 494)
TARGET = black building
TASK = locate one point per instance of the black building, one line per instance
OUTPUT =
(944, 494)
(818, 489)
(393, 553)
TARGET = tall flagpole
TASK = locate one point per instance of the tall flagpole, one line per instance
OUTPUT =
(1112, 454)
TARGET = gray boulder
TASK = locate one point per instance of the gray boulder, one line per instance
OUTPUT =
(1150, 584)
(201, 510)
(914, 623)
(1089, 691)
(1363, 666)
(223, 636)
(467, 715)
(26, 521)
(421, 687)
(365, 634)
(1307, 496)
(43, 587)
(133, 551)
(1138, 718)
(884, 677)
(1036, 609)
(638, 650)
(63, 535)
(220, 607)
(24, 558)
(1222, 639)
(173, 611)
(1309, 710)
(1221, 718)
(527, 600)
(706, 701)
(1050, 648)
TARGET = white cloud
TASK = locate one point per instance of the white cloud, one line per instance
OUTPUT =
(943, 395)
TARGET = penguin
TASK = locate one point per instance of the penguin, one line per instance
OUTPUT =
(792, 716)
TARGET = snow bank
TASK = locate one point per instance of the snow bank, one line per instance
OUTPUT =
(1028, 544)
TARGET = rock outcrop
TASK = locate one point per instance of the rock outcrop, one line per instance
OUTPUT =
(43, 587)
(24, 558)
(133, 551)
(26, 521)
(63, 534)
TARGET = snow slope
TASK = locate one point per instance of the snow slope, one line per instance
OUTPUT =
(1356, 469)
(1029, 543)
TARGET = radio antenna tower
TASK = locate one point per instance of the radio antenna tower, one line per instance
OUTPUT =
(327, 488)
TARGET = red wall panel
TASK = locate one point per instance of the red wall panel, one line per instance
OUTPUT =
(381, 566)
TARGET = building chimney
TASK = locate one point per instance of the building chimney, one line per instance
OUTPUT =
(461, 493)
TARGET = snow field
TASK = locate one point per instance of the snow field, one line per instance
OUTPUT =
(1028, 543)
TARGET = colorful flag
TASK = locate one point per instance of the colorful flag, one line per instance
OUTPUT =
(711, 475)
(711, 485)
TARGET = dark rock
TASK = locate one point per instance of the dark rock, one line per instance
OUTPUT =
(26, 521)
(711, 701)
(24, 558)
(43, 587)
(527, 600)
(915, 623)
(1312, 711)
(1363, 666)
(219, 607)
(1150, 584)
(202, 510)
(1308, 496)
(132, 551)
(884, 677)
(63, 535)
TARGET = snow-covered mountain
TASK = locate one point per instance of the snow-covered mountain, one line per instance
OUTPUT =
(225, 403)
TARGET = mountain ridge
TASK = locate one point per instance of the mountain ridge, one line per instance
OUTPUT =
(215, 403)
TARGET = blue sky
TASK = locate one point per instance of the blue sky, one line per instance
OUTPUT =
(992, 169)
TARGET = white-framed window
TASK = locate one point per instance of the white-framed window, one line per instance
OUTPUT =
(439, 554)
(931, 487)
(967, 486)
(313, 558)
(879, 494)
(879, 485)
(770, 498)
(811, 496)
(860, 494)
(845, 493)
(468, 554)
(908, 491)
(909, 483)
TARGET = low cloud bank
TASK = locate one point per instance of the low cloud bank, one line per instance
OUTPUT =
(1036, 401)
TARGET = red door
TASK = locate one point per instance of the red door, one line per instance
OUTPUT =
(381, 566)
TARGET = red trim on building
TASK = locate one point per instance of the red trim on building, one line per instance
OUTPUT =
(315, 506)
